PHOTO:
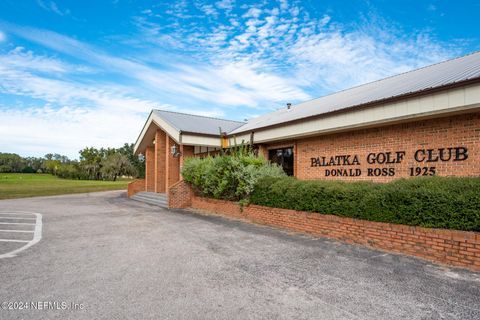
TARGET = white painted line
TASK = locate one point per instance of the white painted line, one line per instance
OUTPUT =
(17, 212)
(25, 231)
(13, 240)
(28, 224)
(37, 236)
(13, 218)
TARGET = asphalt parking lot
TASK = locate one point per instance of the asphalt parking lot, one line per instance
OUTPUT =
(102, 256)
(18, 232)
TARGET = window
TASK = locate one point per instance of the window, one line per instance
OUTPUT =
(283, 157)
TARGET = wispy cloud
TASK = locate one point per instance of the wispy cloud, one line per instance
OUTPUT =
(21, 59)
(51, 6)
(66, 130)
(312, 54)
(225, 4)
(230, 84)
(222, 58)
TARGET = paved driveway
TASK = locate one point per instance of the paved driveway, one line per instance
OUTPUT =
(103, 256)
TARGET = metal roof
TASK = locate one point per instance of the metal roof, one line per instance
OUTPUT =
(434, 76)
(197, 124)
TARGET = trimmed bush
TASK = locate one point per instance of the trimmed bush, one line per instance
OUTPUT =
(435, 202)
(228, 177)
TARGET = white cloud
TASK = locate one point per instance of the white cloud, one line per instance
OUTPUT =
(66, 130)
(225, 4)
(51, 6)
(252, 13)
(257, 56)
(315, 54)
(208, 9)
(339, 59)
(202, 82)
(72, 115)
(3, 37)
(14, 80)
(21, 59)
(36, 131)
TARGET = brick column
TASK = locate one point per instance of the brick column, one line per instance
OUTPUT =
(187, 152)
(295, 160)
(262, 151)
(173, 164)
(150, 169)
(160, 163)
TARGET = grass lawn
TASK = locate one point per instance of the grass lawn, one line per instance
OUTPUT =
(21, 185)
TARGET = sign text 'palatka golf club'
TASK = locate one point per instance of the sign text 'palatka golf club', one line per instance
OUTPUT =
(347, 165)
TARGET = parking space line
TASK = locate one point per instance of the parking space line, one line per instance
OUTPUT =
(37, 232)
(10, 218)
(13, 240)
(15, 213)
(24, 223)
(25, 231)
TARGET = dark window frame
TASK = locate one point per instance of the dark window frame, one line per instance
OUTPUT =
(284, 157)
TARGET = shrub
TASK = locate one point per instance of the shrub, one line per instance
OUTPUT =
(229, 177)
(436, 202)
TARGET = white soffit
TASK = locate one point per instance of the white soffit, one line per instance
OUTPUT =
(200, 140)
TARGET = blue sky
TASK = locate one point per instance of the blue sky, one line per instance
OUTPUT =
(87, 73)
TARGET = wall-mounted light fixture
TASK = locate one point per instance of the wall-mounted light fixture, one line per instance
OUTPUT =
(141, 157)
(174, 150)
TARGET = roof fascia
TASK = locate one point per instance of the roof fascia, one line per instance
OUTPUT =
(154, 119)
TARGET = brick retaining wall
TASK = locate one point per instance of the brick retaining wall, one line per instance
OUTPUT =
(455, 248)
(180, 195)
(135, 187)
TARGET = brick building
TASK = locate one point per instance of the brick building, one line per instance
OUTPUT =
(423, 122)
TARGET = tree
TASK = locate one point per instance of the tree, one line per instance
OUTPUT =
(51, 166)
(52, 162)
(91, 162)
(34, 164)
(139, 165)
(116, 164)
(11, 162)
(94, 164)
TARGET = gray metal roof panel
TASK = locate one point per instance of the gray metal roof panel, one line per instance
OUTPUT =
(438, 75)
(197, 124)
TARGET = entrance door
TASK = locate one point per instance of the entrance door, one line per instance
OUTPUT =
(283, 157)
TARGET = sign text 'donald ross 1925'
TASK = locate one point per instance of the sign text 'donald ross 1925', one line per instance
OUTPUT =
(422, 162)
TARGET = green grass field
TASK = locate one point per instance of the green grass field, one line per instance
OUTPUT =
(21, 185)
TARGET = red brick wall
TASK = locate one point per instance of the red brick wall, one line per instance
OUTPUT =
(173, 164)
(180, 195)
(447, 132)
(150, 169)
(187, 152)
(135, 187)
(456, 248)
(160, 160)
(162, 169)
(262, 151)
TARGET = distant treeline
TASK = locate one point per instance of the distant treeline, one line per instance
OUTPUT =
(94, 164)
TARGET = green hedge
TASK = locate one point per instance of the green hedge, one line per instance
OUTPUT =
(229, 177)
(435, 202)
